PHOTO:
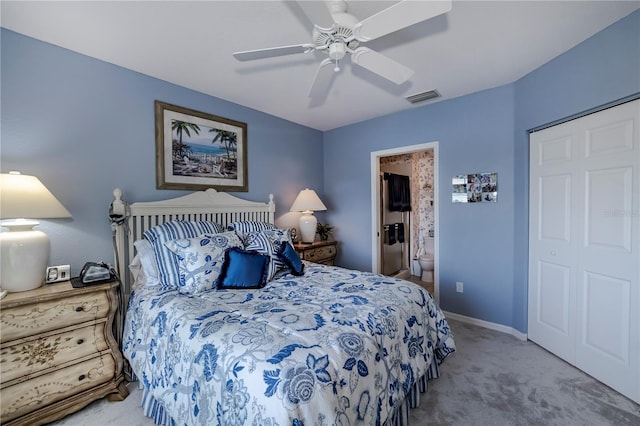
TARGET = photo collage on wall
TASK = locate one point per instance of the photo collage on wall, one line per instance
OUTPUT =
(475, 188)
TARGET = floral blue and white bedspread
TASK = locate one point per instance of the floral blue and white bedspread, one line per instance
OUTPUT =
(333, 347)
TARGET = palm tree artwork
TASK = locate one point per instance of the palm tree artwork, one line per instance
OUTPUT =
(181, 163)
(188, 161)
(181, 127)
(229, 140)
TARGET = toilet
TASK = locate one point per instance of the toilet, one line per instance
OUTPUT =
(425, 259)
(426, 264)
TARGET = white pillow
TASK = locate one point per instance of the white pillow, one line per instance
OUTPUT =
(147, 259)
(139, 276)
(200, 260)
(135, 266)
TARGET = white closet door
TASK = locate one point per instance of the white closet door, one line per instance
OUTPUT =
(584, 237)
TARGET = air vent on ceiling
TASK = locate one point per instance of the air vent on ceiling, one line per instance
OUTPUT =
(424, 96)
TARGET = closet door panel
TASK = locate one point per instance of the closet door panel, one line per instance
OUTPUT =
(554, 312)
(603, 331)
(608, 196)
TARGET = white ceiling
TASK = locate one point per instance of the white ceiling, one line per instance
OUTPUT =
(475, 46)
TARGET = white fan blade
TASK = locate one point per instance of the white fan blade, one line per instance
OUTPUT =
(250, 55)
(381, 65)
(399, 16)
(324, 78)
(318, 14)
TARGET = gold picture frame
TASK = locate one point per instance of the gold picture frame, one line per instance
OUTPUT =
(196, 150)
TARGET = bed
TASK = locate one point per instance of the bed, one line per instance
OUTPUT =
(272, 340)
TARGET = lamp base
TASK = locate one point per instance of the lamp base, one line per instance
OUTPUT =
(308, 223)
(24, 253)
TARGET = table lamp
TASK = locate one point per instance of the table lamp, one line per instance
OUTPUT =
(24, 251)
(307, 202)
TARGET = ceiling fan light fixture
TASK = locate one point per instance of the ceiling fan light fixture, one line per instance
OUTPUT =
(424, 96)
(337, 50)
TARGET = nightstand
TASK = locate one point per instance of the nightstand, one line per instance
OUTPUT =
(319, 251)
(58, 352)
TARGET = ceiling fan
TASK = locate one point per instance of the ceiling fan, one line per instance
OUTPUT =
(337, 33)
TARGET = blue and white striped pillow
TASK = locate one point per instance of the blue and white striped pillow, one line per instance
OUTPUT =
(201, 259)
(268, 242)
(166, 261)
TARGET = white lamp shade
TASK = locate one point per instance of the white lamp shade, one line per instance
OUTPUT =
(23, 196)
(307, 202)
(24, 251)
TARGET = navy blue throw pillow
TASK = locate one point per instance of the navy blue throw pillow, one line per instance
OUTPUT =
(290, 257)
(243, 269)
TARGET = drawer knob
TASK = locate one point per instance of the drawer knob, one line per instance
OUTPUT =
(79, 309)
(80, 341)
(82, 377)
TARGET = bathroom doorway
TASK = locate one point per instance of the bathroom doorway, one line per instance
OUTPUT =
(395, 253)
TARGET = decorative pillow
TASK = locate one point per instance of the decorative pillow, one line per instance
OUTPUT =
(166, 262)
(243, 228)
(200, 260)
(289, 256)
(268, 242)
(243, 269)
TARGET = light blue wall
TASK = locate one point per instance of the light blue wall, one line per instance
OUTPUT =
(482, 245)
(84, 126)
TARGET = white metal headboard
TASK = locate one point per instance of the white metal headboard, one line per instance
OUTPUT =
(209, 205)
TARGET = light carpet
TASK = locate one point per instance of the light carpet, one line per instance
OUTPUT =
(492, 379)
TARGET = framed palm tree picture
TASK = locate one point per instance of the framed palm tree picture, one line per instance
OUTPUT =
(196, 150)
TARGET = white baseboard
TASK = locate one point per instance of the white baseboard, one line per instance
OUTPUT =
(486, 324)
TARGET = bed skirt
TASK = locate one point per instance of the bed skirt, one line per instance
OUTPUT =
(401, 417)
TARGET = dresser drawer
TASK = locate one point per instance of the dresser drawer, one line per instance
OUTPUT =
(321, 253)
(27, 320)
(27, 396)
(31, 356)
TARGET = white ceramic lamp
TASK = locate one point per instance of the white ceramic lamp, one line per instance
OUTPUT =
(307, 202)
(24, 251)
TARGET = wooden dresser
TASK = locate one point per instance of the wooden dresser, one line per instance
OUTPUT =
(58, 352)
(319, 251)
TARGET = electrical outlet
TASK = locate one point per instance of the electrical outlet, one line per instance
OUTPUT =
(57, 273)
(459, 287)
